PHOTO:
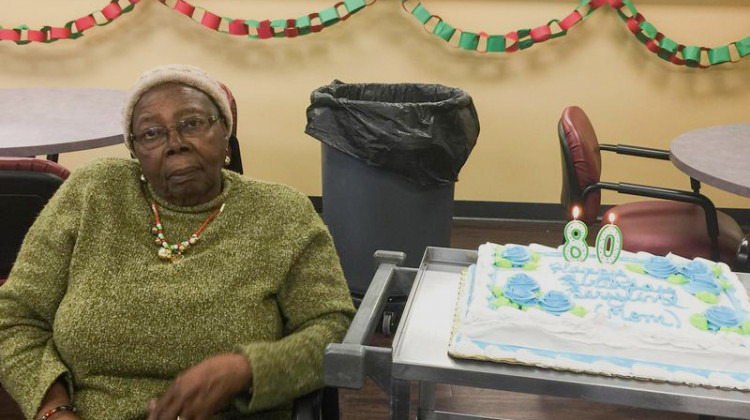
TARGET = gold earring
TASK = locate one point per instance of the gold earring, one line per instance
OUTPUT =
(227, 161)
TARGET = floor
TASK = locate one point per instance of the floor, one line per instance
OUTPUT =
(371, 403)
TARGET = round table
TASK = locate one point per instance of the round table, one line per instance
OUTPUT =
(718, 156)
(48, 121)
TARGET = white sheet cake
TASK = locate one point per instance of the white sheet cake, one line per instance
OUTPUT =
(646, 317)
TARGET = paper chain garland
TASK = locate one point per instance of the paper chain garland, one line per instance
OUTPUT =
(645, 32)
(656, 42)
(289, 28)
(23, 34)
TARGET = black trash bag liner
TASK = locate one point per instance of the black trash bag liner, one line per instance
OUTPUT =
(421, 131)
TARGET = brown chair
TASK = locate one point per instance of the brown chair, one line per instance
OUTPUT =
(234, 145)
(26, 184)
(685, 223)
(743, 256)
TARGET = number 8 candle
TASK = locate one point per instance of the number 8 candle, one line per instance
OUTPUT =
(609, 242)
(575, 248)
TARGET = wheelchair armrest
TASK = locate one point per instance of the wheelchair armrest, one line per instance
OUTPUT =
(625, 149)
(308, 406)
(321, 404)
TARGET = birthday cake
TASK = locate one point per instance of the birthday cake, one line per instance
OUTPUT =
(646, 317)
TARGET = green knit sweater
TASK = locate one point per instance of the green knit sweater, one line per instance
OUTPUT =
(89, 299)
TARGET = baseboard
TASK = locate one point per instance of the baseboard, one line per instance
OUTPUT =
(534, 211)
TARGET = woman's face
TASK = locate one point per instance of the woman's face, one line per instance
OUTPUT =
(184, 163)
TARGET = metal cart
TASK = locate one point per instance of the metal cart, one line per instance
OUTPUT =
(419, 352)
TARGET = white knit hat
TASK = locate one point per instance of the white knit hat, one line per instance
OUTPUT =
(174, 73)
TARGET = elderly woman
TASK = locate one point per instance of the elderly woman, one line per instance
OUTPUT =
(170, 288)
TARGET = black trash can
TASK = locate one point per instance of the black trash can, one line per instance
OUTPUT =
(391, 154)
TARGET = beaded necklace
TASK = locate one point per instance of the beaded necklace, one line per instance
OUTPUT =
(174, 253)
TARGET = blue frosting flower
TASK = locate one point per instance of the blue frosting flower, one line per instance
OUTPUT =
(692, 268)
(525, 281)
(660, 267)
(518, 255)
(703, 283)
(556, 302)
(520, 295)
(721, 316)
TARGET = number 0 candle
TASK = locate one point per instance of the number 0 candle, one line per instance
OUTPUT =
(575, 248)
(609, 242)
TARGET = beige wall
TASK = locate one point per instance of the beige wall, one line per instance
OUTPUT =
(630, 95)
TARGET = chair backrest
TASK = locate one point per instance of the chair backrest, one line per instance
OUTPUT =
(26, 184)
(234, 144)
(581, 162)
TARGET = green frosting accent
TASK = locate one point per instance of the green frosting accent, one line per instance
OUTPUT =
(579, 311)
(535, 257)
(732, 329)
(497, 291)
(677, 279)
(745, 328)
(708, 297)
(530, 266)
(527, 307)
(636, 268)
(725, 284)
(699, 321)
(503, 263)
(716, 270)
(502, 301)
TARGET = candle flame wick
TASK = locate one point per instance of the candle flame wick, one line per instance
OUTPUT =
(576, 212)
(611, 218)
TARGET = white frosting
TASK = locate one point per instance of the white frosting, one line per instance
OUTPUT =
(629, 331)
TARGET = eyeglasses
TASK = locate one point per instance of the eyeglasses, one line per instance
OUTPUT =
(189, 128)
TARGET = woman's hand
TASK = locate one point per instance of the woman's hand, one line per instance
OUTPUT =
(203, 389)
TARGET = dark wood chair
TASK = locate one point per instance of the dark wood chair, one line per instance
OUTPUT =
(685, 223)
(26, 184)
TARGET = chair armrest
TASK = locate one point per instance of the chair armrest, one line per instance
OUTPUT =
(712, 221)
(647, 152)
